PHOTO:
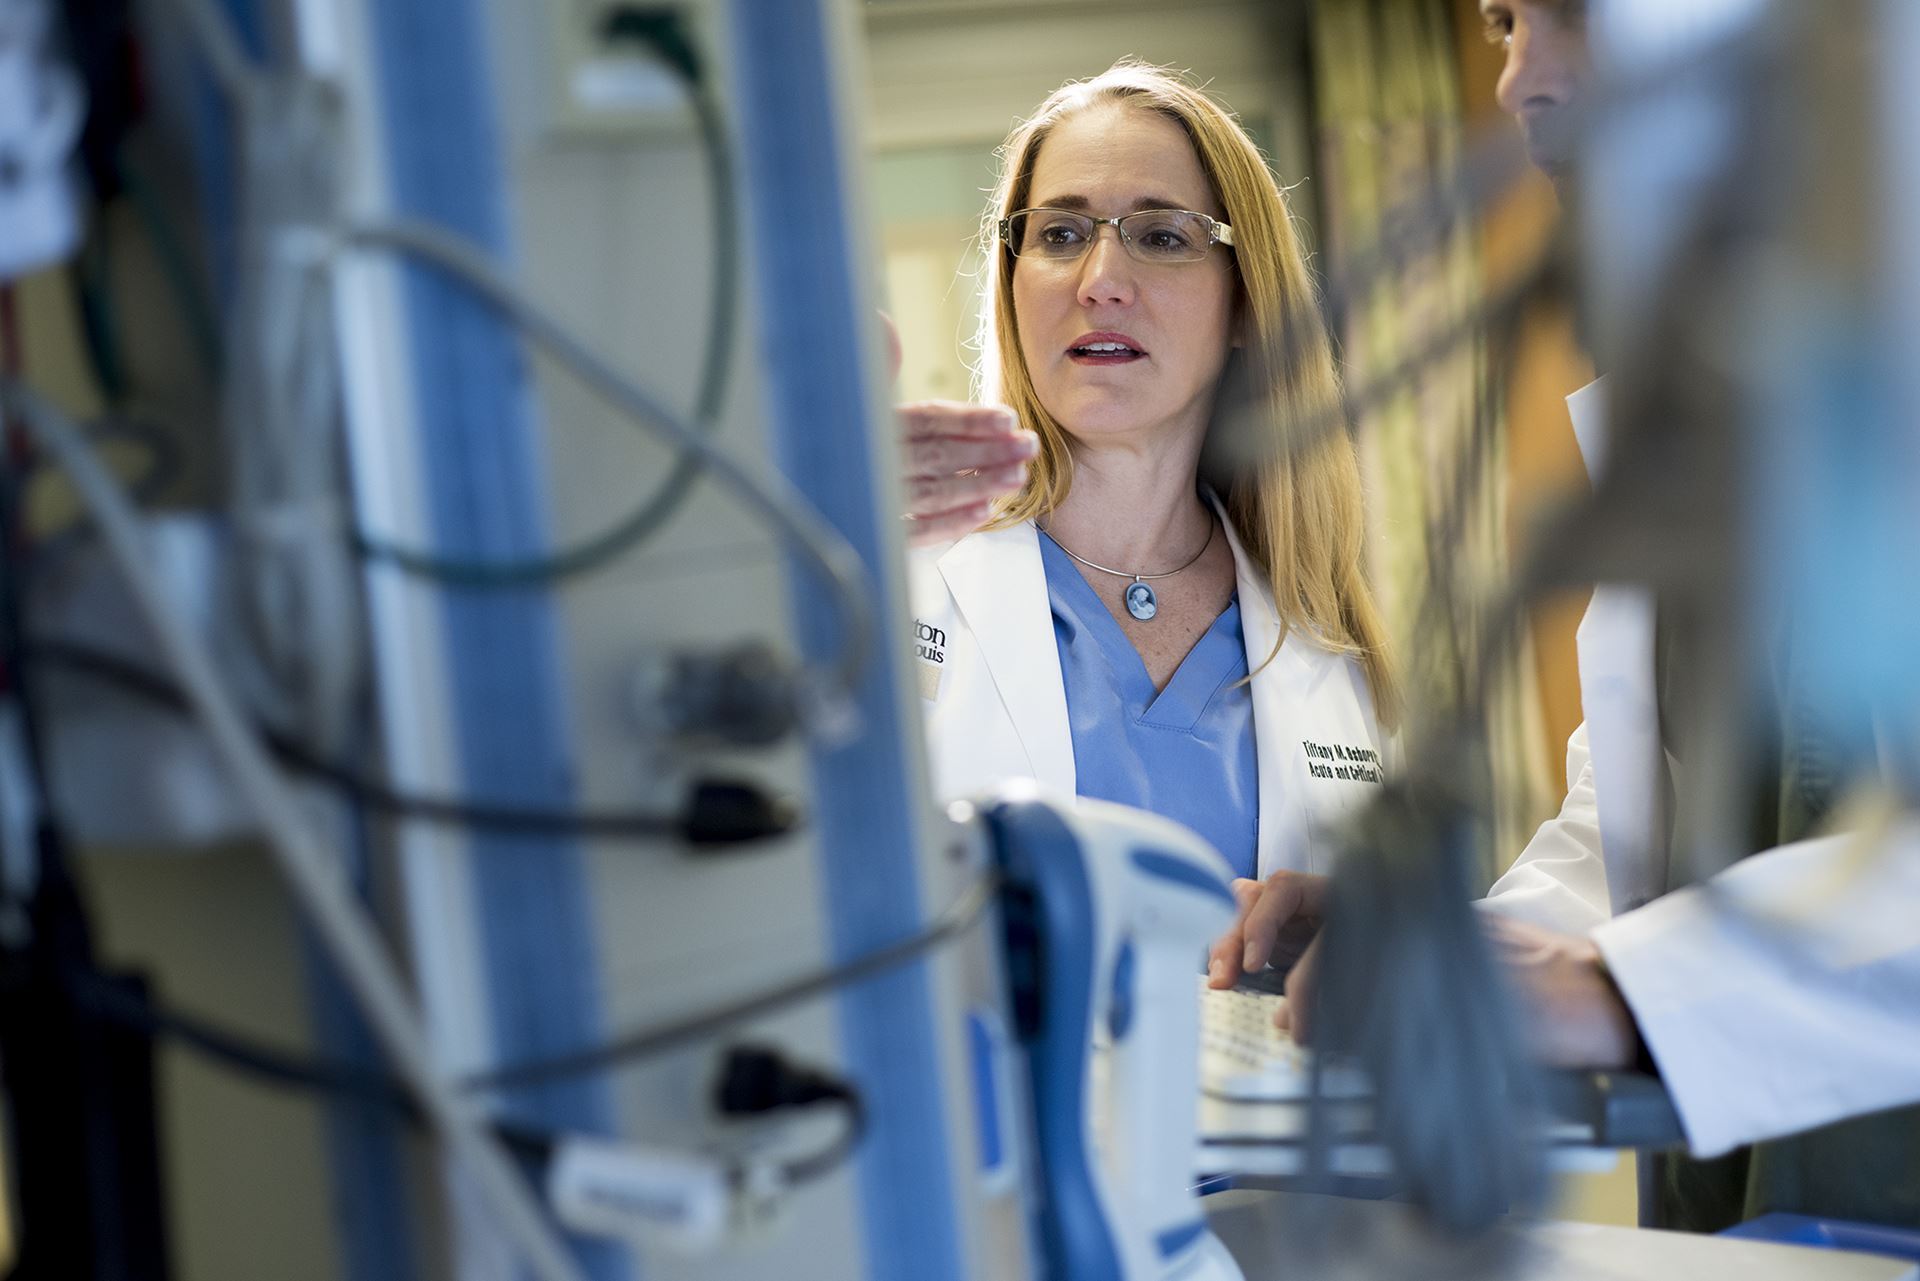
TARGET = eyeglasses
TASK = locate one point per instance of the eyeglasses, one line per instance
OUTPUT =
(1152, 235)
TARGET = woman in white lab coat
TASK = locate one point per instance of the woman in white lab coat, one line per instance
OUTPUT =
(1170, 612)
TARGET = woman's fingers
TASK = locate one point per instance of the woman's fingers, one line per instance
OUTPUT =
(943, 448)
(955, 418)
(956, 460)
(1284, 897)
(1223, 958)
(930, 496)
(944, 527)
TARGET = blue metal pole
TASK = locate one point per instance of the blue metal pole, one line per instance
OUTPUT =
(483, 481)
(812, 319)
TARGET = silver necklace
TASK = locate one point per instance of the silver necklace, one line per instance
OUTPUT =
(1139, 597)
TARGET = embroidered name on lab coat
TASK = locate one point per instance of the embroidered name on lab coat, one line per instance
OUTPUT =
(930, 647)
(1341, 761)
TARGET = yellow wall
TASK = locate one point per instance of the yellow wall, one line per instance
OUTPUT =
(1543, 460)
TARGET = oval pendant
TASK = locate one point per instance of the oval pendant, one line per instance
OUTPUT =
(1141, 602)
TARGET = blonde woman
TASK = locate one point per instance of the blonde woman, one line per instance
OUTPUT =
(1134, 622)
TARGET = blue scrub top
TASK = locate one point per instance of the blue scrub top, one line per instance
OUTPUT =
(1186, 752)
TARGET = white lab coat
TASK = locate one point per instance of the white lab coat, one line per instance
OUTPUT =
(1560, 880)
(1781, 995)
(996, 707)
(1784, 993)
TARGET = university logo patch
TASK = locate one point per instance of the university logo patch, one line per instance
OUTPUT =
(930, 647)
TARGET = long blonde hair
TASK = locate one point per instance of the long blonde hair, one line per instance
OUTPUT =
(1299, 512)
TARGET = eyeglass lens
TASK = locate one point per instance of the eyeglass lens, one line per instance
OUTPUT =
(1152, 235)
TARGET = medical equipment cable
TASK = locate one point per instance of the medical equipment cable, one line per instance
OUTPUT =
(137, 680)
(293, 590)
(951, 924)
(115, 518)
(163, 467)
(631, 530)
(771, 495)
(756, 1080)
(721, 339)
(275, 1066)
(339, 918)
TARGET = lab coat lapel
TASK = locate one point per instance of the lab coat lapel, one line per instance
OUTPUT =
(999, 585)
(1618, 696)
(1279, 686)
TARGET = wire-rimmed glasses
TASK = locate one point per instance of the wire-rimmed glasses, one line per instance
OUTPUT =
(1151, 235)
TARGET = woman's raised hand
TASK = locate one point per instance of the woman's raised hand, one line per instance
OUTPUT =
(955, 461)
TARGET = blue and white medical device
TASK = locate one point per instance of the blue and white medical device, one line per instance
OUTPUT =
(1106, 913)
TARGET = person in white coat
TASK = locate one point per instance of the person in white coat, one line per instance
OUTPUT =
(1780, 1002)
(1169, 611)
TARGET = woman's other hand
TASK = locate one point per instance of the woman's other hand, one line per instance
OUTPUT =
(1277, 921)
